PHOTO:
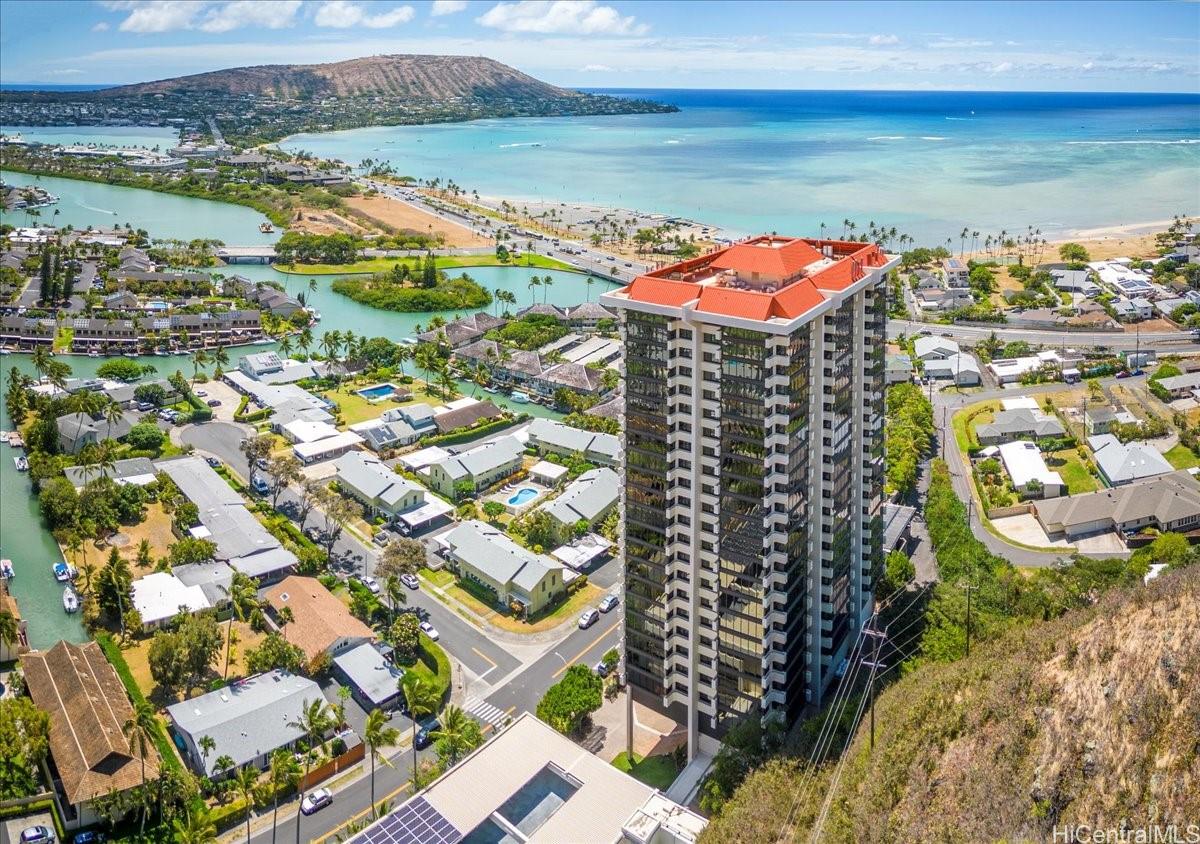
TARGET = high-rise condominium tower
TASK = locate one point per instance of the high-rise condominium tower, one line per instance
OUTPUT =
(752, 473)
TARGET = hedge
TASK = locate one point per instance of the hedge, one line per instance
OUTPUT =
(43, 805)
(117, 660)
(433, 663)
(468, 434)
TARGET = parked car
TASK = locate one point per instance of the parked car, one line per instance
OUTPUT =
(609, 602)
(382, 538)
(371, 583)
(588, 618)
(37, 834)
(410, 580)
(424, 737)
(602, 668)
(89, 837)
(212, 461)
(260, 485)
(165, 415)
(315, 801)
(429, 630)
(200, 393)
(213, 402)
(144, 406)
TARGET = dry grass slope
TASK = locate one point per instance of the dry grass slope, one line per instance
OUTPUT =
(1092, 718)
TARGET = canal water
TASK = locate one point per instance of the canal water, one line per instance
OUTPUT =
(23, 538)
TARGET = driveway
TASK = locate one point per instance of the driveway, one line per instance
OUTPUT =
(1027, 530)
(226, 395)
(11, 830)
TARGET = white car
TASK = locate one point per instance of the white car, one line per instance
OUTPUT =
(315, 801)
(588, 618)
(371, 583)
(429, 630)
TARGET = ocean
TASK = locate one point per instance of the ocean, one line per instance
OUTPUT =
(928, 163)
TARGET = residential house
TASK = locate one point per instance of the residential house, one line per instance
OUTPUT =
(463, 413)
(76, 430)
(419, 416)
(378, 488)
(1030, 476)
(259, 364)
(1181, 386)
(587, 317)
(898, 369)
(943, 300)
(956, 272)
(1145, 310)
(1169, 502)
(121, 300)
(589, 499)
(1123, 463)
(552, 437)
(321, 624)
(578, 797)
(460, 332)
(613, 408)
(1010, 370)
(26, 332)
(1009, 425)
(962, 369)
(138, 471)
(381, 436)
(214, 578)
(486, 555)
(325, 447)
(373, 680)
(1076, 281)
(10, 651)
(1100, 420)
(126, 394)
(934, 348)
(247, 721)
(160, 597)
(91, 756)
(276, 301)
(1124, 309)
(480, 467)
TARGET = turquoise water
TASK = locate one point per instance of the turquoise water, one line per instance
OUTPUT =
(114, 136)
(163, 215)
(752, 161)
(380, 392)
(522, 496)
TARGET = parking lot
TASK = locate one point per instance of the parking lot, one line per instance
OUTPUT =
(11, 829)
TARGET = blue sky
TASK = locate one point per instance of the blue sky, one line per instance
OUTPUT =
(1076, 46)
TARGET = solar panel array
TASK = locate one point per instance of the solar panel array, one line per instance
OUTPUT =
(416, 822)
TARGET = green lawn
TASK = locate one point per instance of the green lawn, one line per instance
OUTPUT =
(983, 412)
(354, 408)
(657, 771)
(446, 262)
(442, 578)
(1182, 457)
(1072, 470)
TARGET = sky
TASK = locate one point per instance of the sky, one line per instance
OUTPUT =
(1008, 46)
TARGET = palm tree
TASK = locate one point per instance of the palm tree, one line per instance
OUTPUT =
(207, 746)
(453, 732)
(199, 358)
(422, 701)
(195, 827)
(377, 733)
(139, 732)
(394, 589)
(331, 342)
(590, 281)
(244, 782)
(547, 283)
(243, 596)
(403, 353)
(41, 360)
(285, 773)
(220, 357)
(285, 346)
(10, 632)
(305, 339)
(314, 721)
(534, 281)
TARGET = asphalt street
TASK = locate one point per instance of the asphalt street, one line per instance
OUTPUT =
(1175, 341)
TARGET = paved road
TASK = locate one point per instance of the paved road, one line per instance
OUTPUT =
(1176, 341)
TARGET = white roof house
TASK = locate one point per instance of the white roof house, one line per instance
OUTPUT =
(308, 431)
(934, 348)
(160, 596)
(531, 779)
(1122, 463)
(549, 435)
(326, 448)
(1020, 403)
(1008, 370)
(588, 498)
(1024, 464)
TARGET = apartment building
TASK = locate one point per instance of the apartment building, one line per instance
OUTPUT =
(752, 474)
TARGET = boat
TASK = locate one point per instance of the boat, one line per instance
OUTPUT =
(4, 351)
(93, 354)
(6, 569)
(22, 463)
(266, 341)
(491, 390)
(64, 572)
(131, 354)
(266, 228)
(519, 397)
(160, 353)
(70, 600)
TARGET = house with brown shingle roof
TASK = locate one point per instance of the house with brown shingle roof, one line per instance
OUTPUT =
(465, 415)
(321, 623)
(88, 709)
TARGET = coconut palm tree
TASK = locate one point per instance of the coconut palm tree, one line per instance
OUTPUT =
(534, 281)
(547, 283)
(139, 732)
(454, 732)
(243, 597)
(207, 746)
(305, 339)
(403, 353)
(394, 589)
(10, 632)
(376, 734)
(331, 343)
(285, 773)
(195, 827)
(220, 357)
(421, 697)
(590, 281)
(200, 358)
(244, 782)
(314, 721)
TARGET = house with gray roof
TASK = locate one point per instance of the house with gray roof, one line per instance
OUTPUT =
(481, 466)
(485, 554)
(571, 376)
(586, 317)
(463, 331)
(1123, 463)
(418, 415)
(898, 369)
(132, 470)
(1181, 386)
(379, 489)
(247, 720)
(1169, 502)
(373, 680)
(589, 498)
(551, 437)
(934, 348)
(76, 430)
(380, 436)
(960, 368)
(213, 577)
(1021, 424)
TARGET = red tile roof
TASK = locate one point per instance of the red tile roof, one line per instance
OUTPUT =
(773, 257)
(661, 292)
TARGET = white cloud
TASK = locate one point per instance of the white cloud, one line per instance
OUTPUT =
(596, 68)
(883, 40)
(570, 17)
(341, 14)
(1002, 67)
(66, 71)
(959, 44)
(277, 15)
(447, 7)
(168, 15)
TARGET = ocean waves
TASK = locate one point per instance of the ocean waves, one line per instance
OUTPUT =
(1180, 142)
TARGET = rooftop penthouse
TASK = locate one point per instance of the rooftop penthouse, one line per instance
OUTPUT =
(772, 279)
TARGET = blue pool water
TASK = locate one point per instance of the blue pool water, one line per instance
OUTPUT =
(522, 496)
(379, 391)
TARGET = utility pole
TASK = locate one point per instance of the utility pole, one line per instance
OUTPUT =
(970, 589)
(879, 636)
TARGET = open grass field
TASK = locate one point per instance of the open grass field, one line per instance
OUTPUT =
(445, 262)
(354, 408)
(1182, 457)
(1068, 464)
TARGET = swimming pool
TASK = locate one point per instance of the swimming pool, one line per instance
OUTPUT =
(378, 392)
(522, 496)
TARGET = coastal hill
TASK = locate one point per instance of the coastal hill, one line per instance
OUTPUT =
(1092, 718)
(416, 77)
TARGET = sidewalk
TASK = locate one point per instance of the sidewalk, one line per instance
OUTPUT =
(507, 637)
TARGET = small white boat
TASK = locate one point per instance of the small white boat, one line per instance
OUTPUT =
(266, 228)
(263, 342)
(491, 390)
(64, 572)
(131, 354)
(6, 569)
(70, 600)
(93, 354)
(519, 397)
(4, 351)
(22, 463)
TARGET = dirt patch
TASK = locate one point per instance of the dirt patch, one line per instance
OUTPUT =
(1151, 325)
(401, 215)
(137, 656)
(156, 528)
(320, 221)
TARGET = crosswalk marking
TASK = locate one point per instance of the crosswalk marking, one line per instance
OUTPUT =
(489, 714)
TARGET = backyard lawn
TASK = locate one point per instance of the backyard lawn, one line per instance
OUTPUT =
(156, 527)
(1182, 457)
(1076, 476)
(656, 771)
(354, 408)
(573, 606)
(136, 656)
(442, 578)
